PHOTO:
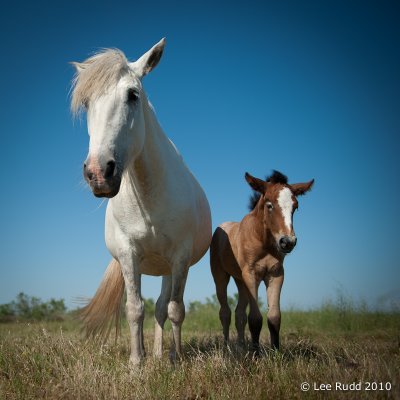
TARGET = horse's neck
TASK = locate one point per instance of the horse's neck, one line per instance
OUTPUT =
(148, 171)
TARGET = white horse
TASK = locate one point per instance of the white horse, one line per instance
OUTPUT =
(158, 220)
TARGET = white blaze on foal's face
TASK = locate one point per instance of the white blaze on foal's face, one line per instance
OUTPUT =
(286, 203)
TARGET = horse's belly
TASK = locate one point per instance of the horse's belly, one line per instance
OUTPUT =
(155, 264)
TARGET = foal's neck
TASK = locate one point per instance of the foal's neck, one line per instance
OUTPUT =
(260, 235)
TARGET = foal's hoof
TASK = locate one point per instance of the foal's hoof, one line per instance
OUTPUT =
(255, 351)
(241, 344)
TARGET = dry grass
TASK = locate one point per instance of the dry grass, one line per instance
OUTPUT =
(52, 361)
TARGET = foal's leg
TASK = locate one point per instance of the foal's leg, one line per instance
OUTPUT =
(240, 312)
(161, 314)
(221, 280)
(176, 309)
(274, 285)
(134, 308)
(221, 283)
(255, 317)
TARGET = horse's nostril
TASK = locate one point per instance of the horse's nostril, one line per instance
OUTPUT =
(110, 168)
(87, 173)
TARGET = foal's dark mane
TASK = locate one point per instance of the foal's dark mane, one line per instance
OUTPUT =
(275, 177)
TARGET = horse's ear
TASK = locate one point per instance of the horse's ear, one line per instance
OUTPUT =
(299, 189)
(149, 60)
(256, 184)
(79, 67)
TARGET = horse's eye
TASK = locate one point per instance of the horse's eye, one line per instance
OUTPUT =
(269, 205)
(132, 95)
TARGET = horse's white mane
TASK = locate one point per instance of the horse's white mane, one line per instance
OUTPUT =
(95, 75)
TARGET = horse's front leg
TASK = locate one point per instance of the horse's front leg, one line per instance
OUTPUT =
(176, 308)
(274, 283)
(134, 306)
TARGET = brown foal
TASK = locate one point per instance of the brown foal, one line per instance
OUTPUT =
(252, 251)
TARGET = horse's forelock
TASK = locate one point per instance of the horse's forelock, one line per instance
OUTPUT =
(96, 75)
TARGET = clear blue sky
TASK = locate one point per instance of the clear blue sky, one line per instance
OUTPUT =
(309, 88)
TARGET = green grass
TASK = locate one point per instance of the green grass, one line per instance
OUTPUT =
(336, 343)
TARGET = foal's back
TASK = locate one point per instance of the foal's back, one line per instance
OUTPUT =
(224, 250)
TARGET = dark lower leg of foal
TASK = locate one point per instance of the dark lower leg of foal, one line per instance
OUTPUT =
(240, 312)
(255, 324)
(274, 284)
(225, 311)
(274, 327)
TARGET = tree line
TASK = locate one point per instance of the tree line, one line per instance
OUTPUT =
(28, 308)
(31, 308)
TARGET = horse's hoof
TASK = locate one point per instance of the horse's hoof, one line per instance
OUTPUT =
(174, 357)
(135, 362)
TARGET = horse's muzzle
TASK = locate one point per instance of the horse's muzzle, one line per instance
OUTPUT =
(107, 189)
(287, 243)
(104, 182)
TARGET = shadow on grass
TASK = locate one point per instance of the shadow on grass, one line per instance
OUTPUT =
(293, 350)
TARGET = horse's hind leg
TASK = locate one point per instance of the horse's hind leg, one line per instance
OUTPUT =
(240, 311)
(176, 309)
(161, 314)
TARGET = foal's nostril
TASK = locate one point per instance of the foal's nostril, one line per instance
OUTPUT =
(110, 168)
(287, 243)
(283, 242)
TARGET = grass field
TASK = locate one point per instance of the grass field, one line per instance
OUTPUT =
(336, 344)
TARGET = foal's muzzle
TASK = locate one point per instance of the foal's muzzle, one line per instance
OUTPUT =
(103, 178)
(287, 243)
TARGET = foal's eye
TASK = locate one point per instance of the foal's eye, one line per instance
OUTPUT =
(132, 96)
(269, 205)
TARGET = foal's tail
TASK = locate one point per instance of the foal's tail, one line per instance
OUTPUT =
(104, 309)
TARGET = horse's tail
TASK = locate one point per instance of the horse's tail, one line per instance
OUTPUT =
(104, 309)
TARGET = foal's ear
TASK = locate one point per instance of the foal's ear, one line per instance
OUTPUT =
(256, 184)
(149, 60)
(299, 189)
